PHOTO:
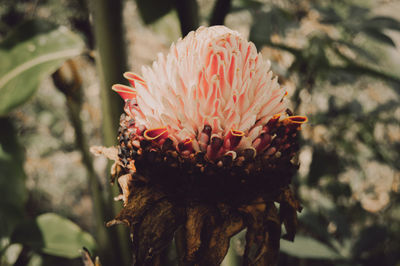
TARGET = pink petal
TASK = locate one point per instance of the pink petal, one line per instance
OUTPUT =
(124, 91)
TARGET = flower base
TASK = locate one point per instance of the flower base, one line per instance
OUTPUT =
(204, 203)
(203, 230)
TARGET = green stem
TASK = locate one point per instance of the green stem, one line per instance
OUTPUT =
(111, 64)
(220, 10)
(110, 60)
(188, 15)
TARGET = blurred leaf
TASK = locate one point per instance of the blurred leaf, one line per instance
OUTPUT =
(384, 23)
(357, 12)
(315, 55)
(379, 36)
(323, 163)
(337, 189)
(36, 260)
(246, 4)
(54, 235)
(307, 247)
(359, 50)
(40, 259)
(31, 52)
(12, 179)
(152, 10)
(370, 239)
(389, 106)
(315, 222)
(266, 24)
(329, 15)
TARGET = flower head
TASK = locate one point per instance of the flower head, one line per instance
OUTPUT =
(208, 123)
(209, 118)
(212, 93)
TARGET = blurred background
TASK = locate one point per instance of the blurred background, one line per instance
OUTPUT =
(338, 59)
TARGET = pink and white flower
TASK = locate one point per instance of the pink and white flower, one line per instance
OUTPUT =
(212, 93)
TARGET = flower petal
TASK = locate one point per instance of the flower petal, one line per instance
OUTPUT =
(132, 78)
(124, 91)
(156, 134)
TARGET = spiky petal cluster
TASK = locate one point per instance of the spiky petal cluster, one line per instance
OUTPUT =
(212, 93)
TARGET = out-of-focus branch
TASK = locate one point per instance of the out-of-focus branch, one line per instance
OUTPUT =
(71, 87)
(220, 10)
(349, 66)
(188, 15)
(110, 60)
(353, 67)
(364, 70)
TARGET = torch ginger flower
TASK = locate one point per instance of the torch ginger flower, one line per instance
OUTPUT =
(212, 93)
(208, 123)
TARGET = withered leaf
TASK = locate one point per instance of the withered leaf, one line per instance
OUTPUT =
(155, 231)
(153, 219)
(224, 224)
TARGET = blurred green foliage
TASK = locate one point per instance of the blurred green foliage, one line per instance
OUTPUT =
(340, 52)
(12, 181)
(53, 235)
(29, 53)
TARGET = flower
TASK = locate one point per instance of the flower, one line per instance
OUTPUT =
(206, 144)
(209, 118)
(212, 93)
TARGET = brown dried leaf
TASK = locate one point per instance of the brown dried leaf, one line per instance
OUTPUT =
(152, 218)
(154, 233)
(263, 234)
(194, 225)
(139, 202)
(273, 226)
(125, 182)
(116, 171)
(225, 224)
(288, 216)
(289, 206)
(110, 152)
(87, 260)
(289, 198)
(256, 232)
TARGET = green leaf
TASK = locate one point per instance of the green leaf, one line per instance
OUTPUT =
(54, 235)
(34, 50)
(379, 36)
(246, 4)
(359, 50)
(265, 24)
(152, 10)
(320, 168)
(370, 240)
(308, 248)
(12, 179)
(384, 23)
(329, 15)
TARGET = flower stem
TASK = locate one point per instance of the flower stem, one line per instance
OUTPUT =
(72, 89)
